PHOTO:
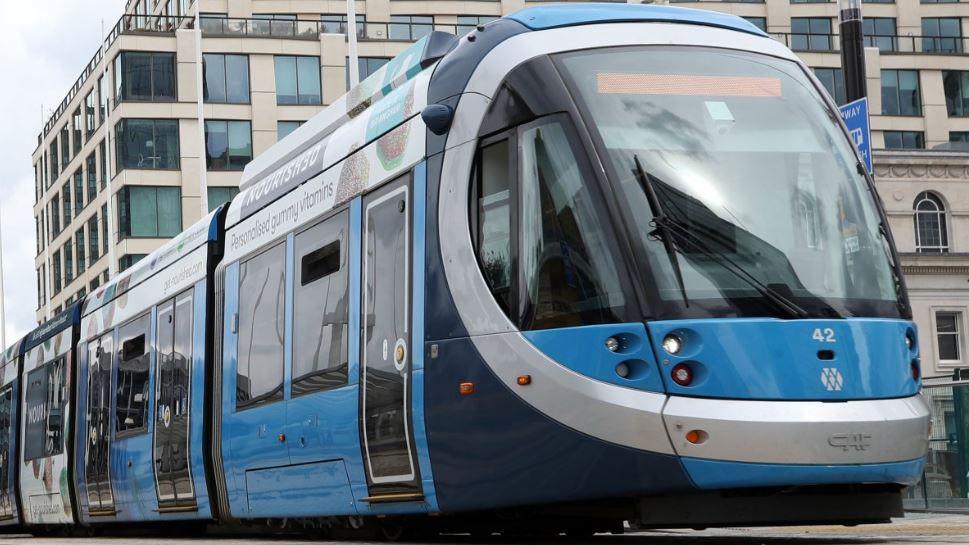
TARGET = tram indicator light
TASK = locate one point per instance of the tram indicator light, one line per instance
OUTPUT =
(466, 388)
(524, 380)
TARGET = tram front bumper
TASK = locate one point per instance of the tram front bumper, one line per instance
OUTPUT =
(740, 443)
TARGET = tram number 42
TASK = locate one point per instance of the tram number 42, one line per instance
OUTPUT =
(825, 335)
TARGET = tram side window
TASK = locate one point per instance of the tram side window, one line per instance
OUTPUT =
(493, 209)
(46, 397)
(262, 288)
(562, 251)
(133, 377)
(320, 307)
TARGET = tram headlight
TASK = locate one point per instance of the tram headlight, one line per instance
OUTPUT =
(672, 344)
(612, 344)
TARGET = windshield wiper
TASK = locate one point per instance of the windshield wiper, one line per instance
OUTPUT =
(669, 226)
(660, 219)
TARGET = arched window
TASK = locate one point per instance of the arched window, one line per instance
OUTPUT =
(931, 233)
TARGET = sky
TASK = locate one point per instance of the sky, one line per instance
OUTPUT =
(43, 49)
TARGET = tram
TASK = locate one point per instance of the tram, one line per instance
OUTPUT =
(588, 264)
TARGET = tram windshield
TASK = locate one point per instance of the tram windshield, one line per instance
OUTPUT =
(744, 189)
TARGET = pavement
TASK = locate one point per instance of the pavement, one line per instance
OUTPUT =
(917, 528)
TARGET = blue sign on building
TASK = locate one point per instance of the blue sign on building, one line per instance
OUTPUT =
(855, 116)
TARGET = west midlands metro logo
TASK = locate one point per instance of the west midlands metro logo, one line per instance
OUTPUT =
(832, 379)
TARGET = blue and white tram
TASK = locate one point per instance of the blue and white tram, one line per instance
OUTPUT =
(589, 263)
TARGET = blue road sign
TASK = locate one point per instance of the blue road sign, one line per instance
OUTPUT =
(855, 116)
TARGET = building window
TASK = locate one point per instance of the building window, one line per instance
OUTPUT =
(367, 66)
(959, 136)
(103, 164)
(147, 144)
(89, 123)
(337, 24)
(759, 22)
(942, 35)
(262, 319)
(811, 34)
(93, 249)
(900, 93)
(931, 230)
(102, 100)
(880, 32)
(68, 263)
(65, 146)
(144, 76)
(104, 231)
(131, 403)
(228, 144)
(54, 164)
(91, 164)
(956, 86)
(409, 28)
(128, 260)
(66, 204)
(78, 192)
(55, 215)
(77, 122)
(904, 139)
(79, 250)
(833, 80)
(56, 265)
(467, 23)
(297, 80)
(226, 78)
(948, 332)
(221, 195)
(284, 128)
(149, 212)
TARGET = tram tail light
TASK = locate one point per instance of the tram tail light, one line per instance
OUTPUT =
(916, 371)
(682, 374)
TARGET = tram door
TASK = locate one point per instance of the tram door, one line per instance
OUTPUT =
(172, 441)
(96, 460)
(389, 457)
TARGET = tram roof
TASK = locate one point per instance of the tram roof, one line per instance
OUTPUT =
(546, 17)
(320, 143)
(49, 329)
(200, 233)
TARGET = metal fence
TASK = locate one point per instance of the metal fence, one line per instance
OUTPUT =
(945, 480)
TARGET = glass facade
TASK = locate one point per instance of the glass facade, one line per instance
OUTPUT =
(226, 78)
(228, 144)
(900, 93)
(144, 76)
(297, 80)
(149, 212)
(147, 144)
(220, 195)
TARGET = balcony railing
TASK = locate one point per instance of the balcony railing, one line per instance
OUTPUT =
(891, 44)
(127, 24)
(235, 27)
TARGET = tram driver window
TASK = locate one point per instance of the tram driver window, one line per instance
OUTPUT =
(562, 252)
(320, 307)
(262, 289)
(131, 408)
(46, 397)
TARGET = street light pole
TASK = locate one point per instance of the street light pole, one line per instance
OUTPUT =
(852, 49)
(352, 57)
(3, 297)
